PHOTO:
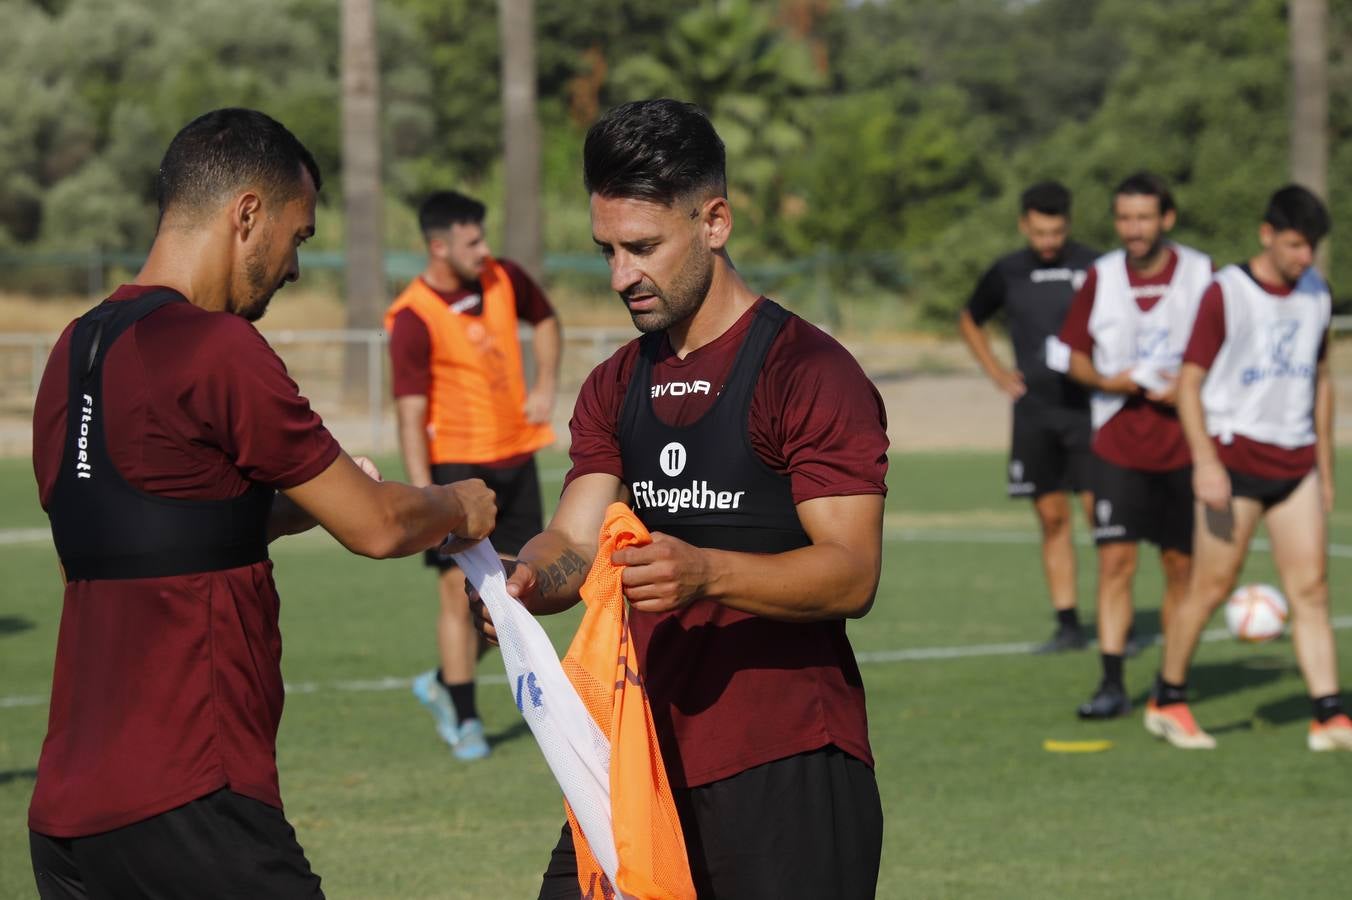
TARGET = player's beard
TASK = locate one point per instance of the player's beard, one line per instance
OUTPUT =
(682, 299)
(259, 285)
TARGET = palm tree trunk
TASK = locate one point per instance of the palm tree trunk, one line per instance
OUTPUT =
(364, 274)
(523, 239)
(1308, 23)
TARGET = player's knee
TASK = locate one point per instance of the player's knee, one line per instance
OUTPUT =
(1055, 523)
(1309, 593)
(1116, 562)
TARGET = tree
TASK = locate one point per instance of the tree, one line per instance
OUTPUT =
(362, 197)
(1308, 22)
(523, 236)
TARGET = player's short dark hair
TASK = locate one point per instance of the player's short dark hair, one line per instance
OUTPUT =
(1297, 209)
(1051, 198)
(1146, 184)
(446, 208)
(228, 150)
(655, 150)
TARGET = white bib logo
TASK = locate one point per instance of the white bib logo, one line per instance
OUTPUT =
(672, 459)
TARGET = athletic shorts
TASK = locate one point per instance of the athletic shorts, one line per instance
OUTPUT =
(1132, 505)
(1267, 491)
(1049, 450)
(223, 846)
(809, 825)
(520, 512)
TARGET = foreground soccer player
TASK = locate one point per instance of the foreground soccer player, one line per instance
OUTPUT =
(1049, 456)
(1257, 408)
(1126, 328)
(754, 447)
(170, 447)
(465, 412)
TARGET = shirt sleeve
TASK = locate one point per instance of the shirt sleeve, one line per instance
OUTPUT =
(595, 425)
(410, 355)
(816, 417)
(1208, 329)
(254, 412)
(1075, 329)
(531, 303)
(988, 297)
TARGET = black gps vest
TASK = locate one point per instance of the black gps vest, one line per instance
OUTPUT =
(105, 528)
(703, 483)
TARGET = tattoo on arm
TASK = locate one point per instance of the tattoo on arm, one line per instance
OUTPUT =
(556, 575)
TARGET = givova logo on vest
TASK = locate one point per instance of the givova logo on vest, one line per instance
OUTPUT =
(1281, 345)
(699, 495)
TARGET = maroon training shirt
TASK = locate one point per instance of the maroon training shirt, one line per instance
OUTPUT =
(1244, 454)
(1142, 435)
(814, 416)
(166, 689)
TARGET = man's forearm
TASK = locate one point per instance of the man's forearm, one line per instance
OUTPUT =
(1323, 422)
(560, 568)
(814, 583)
(547, 347)
(975, 337)
(413, 446)
(1192, 416)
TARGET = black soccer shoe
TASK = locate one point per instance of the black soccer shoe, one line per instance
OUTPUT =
(1108, 702)
(1064, 638)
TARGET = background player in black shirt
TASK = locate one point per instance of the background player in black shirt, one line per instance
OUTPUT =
(1049, 450)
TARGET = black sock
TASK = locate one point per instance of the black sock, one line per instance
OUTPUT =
(1068, 619)
(1167, 693)
(1112, 668)
(462, 695)
(1326, 708)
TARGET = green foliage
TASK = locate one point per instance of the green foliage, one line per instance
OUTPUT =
(885, 137)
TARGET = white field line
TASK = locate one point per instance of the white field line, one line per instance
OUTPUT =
(868, 657)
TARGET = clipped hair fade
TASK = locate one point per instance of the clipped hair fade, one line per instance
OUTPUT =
(229, 149)
(1147, 184)
(655, 150)
(446, 208)
(1297, 208)
(1051, 198)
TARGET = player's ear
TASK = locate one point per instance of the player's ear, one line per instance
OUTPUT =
(716, 221)
(1265, 235)
(1170, 218)
(246, 213)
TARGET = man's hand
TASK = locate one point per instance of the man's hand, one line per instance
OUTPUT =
(521, 584)
(1168, 395)
(1010, 381)
(1211, 485)
(663, 576)
(539, 405)
(479, 506)
(1121, 383)
(367, 466)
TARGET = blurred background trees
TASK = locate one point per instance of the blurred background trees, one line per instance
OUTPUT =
(875, 148)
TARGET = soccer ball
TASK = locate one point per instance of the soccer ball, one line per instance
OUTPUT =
(1256, 613)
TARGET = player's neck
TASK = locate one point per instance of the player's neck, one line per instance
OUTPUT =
(441, 277)
(1152, 264)
(187, 262)
(1265, 272)
(728, 299)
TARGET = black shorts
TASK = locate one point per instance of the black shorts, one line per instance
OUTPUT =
(809, 825)
(1048, 450)
(1267, 491)
(520, 512)
(1132, 505)
(223, 846)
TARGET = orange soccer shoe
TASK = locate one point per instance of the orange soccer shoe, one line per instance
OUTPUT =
(1176, 725)
(1335, 734)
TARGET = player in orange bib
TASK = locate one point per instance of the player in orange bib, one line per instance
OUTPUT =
(464, 407)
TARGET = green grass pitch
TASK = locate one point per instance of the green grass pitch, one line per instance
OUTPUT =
(975, 807)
